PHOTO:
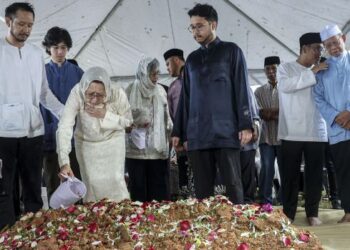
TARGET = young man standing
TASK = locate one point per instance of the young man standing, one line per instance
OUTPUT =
(267, 99)
(62, 77)
(174, 59)
(332, 95)
(301, 128)
(23, 86)
(215, 76)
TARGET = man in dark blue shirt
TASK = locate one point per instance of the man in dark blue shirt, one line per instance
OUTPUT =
(62, 76)
(213, 117)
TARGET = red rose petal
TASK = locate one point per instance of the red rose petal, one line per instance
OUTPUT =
(243, 246)
(185, 225)
(304, 237)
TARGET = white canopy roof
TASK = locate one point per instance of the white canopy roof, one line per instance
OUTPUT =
(114, 34)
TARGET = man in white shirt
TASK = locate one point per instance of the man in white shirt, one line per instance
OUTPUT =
(301, 128)
(23, 86)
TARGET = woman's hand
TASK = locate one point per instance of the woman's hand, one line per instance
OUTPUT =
(97, 112)
(65, 171)
(128, 129)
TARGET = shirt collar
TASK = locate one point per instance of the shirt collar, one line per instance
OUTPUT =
(52, 63)
(212, 44)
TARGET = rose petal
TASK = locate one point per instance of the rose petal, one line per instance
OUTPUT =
(243, 246)
(304, 237)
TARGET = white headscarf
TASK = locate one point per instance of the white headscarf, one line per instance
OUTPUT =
(95, 74)
(143, 88)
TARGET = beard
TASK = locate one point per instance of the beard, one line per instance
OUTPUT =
(19, 37)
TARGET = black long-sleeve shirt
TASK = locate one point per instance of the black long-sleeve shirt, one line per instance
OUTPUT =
(214, 104)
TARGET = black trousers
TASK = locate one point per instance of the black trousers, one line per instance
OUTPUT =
(182, 163)
(148, 179)
(52, 168)
(292, 152)
(248, 170)
(204, 164)
(341, 157)
(24, 154)
(332, 181)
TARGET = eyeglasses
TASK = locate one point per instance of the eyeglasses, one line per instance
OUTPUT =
(334, 43)
(94, 94)
(199, 27)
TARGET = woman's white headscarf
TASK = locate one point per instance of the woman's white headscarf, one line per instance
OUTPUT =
(143, 88)
(95, 74)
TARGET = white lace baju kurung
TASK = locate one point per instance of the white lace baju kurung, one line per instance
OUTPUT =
(99, 143)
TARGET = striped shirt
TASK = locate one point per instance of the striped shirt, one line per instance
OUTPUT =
(267, 97)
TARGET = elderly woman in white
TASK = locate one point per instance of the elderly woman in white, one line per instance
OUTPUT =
(100, 113)
(147, 143)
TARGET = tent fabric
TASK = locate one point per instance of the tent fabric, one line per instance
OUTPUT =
(114, 34)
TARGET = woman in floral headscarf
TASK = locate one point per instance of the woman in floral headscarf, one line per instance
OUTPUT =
(147, 144)
(102, 112)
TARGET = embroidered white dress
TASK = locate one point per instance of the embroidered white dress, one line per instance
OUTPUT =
(99, 143)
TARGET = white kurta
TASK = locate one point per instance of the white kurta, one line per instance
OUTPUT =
(99, 144)
(23, 86)
(299, 120)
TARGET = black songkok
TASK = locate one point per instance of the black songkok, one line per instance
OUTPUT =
(271, 60)
(310, 38)
(173, 52)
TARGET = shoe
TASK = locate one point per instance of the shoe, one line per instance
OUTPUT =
(314, 221)
(336, 204)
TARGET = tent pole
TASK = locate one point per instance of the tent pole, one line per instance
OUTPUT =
(117, 4)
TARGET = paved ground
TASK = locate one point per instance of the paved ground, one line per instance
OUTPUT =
(331, 234)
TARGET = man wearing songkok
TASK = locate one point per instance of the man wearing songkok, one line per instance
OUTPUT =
(332, 95)
(174, 59)
(301, 128)
(270, 149)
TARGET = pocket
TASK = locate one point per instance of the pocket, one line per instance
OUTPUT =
(35, 118)
(12, 116)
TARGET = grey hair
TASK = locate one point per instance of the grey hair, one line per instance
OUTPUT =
(152, 66)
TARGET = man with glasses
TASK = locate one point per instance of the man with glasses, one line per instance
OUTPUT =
(214, 114)
(23, 86)
(301, 128)
(62, 77)
(332, 95)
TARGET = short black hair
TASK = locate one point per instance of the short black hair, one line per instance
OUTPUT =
(12, 9)
(204, 10)
(56, 35)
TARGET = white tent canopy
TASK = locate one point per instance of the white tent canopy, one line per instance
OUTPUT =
(114, 34)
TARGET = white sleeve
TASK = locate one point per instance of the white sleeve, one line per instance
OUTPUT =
(65, 127)
(119, 117)
(291, 81)
(47, 99)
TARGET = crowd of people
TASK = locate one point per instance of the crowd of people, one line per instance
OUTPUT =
(57, 118)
